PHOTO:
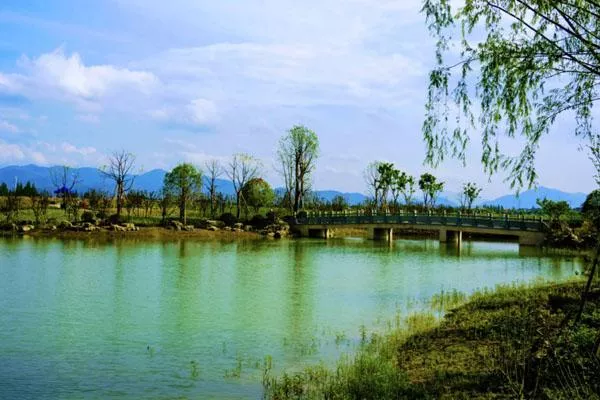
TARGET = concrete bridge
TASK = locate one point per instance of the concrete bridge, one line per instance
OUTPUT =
(528, 231)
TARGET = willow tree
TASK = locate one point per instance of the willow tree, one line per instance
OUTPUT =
(297, 154)
(183, 183)
(519, 66)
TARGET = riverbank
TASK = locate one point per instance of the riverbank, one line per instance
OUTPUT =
(514, 342)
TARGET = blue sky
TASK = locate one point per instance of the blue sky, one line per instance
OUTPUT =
(191, 80)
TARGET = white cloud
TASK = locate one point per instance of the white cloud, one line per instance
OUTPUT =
(10, 152)
(6, 126)
(63, 77)
(84, 151)
(198, 112)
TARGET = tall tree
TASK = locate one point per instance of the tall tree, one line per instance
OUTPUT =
(64, 179)
(242, 168)
(407, 187)
(183, 182)
(213, 171)
(521, 65)
(430, 187)
(372, 176)
(120, 171)
(469, 194)
(297, 153)
(386, 172)
(404, 184)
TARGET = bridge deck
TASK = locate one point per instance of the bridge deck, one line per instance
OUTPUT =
(435, 221)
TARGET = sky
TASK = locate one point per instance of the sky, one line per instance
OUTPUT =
(184, 80)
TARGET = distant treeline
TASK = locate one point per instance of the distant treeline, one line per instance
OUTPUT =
(28, 189)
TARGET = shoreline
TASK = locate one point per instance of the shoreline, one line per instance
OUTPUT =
(147, 233)
(471, 352)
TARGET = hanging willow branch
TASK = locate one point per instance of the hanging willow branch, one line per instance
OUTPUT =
(521, 64)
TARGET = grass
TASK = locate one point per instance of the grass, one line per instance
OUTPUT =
(513, 342)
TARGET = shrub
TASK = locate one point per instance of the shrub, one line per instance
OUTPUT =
(228, 218)
(260, 222)
(88, 216)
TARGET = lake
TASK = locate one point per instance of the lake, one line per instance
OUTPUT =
(195, 319)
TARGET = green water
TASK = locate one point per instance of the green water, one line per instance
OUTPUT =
(195, 319)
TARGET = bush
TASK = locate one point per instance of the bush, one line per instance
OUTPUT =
(260, 222)
(114, 219)
(88, 216)
(272, 216)
(228, 218)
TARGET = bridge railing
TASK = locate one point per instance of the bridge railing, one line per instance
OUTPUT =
(455, 220)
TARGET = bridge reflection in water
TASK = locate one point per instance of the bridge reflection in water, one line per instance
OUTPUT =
(528, 231)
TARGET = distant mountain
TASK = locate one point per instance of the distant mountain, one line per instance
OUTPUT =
(529, 198)
(92, 178)
(351, 198)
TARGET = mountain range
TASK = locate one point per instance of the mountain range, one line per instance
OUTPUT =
(92, 178)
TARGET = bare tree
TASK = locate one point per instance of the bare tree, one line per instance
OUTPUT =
(64, 179)
(213, 171)
(119, 169)
(286, 170)
(372, 176)
(242, 168)
(39, 206)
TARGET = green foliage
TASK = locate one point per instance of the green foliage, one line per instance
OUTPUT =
(470, 193)
(3, 189)
(339, 203)
(183, 183)
(297, 154)
(525, 63)
(257, 193)
(430, 187)
(554, 209)
(591, 208)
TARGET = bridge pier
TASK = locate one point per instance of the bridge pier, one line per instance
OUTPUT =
(319, 233)
(531, 239)
(448, 236)
(386, 234)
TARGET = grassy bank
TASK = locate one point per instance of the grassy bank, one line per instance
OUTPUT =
(514, 342)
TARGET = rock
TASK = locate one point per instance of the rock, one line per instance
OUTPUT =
(118, 228)
(212, 228)
(277, 235)
(227, 228)
(238, 230)
(175, 225)
(238, 225)
(88, 227)
(207, 223)
(129, 227)
(26, 228)
(248, 228)
(188, 228)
